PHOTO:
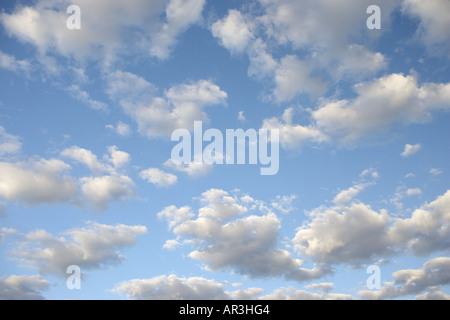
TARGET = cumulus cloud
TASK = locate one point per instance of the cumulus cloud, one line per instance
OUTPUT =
(109, 29)
(172, 287)
(330, 45)
(159, 116)
(122, 129)
(293, 136)
(355, 233)
(37, 181)
(192, 169)
(380, 104)
(158, 177)
(411, 149)
(101, 191)
(179, 15)
(91, 247)
(225, 236)
(23, 287)
(349, 235)
(435, 273)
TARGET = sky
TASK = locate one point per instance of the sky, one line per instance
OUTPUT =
(89, 100)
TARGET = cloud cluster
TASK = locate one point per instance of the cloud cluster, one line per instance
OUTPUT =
(91, 247)
(435, 273)
(226, 236)
(23, 288)
(354, 233)
(108, 28)
(39, 181)
(159, 116)
(379, 106)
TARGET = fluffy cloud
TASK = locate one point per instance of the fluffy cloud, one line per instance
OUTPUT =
(380, 104)
(23, 288)
(175, 288)
(411, 149)
(108, 184)
(92, 247)
(427, 230)
(225, 239)
(354, 233)
(100, 191)
(37, 181)
(293, 77)
(159, 116)
(122, 129)
(179, 15)
(108, 28)
(158, 177)
(9, 144)
(192, 169)
(434, 273)
(293, 136)
(233, 31)
(330, 44)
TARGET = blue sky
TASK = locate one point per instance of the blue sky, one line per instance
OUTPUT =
(86, 117)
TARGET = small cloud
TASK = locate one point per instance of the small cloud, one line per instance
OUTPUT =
(410, 175)
(122, 129)
(410, 150)
(413, 192)
(241, 116)
(435, 171)
(158, 177)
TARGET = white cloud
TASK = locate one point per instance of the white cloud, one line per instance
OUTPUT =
(225, 239)
(392, 100)
(241, 116)
(435, 272)
(233, 31)
(109, 28)
(347, 235)
(23, 288)
(6, 232)
(434, 20)
(354, 233)
(158, 177)
(411, 149)
(85, 157)
(413, 192)
(37, 181)
(172, 287)
(292, 135)
(180, 14)
(99, 192)
(122, 129)
(435, 171)
(92, 247)
(159, 116)
(9, 144)
(293, 77)
(193, 169)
